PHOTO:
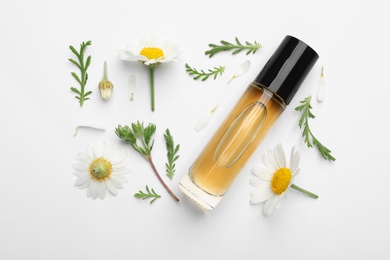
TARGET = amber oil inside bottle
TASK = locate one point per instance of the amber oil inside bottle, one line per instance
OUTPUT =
(236, 139)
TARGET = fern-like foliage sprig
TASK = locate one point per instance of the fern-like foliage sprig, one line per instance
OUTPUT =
(82, 79)
(309, 138)
(140, 139)
(204, 75)
(236, 48)
(172, 156)
(148, 195)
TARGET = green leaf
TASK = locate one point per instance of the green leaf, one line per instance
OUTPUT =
(211, 72)
(309, 138)
(75, 63)
(82, 80)
(237, 48)
(150, 194)
(171, 154)
(76, 77)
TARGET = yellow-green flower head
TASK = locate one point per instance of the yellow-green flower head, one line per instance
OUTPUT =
(151, 50)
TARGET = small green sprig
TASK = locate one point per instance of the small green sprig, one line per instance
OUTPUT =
(171, 154)
(204, 75)
(140, 138)
(82, 80)
(307, 134)
(148, 195)
(238, 47)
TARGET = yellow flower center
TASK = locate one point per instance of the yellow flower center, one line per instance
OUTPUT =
(100, 169)
(281, 180)
(152, 53)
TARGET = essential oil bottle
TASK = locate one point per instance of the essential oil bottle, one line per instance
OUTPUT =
(213, 172)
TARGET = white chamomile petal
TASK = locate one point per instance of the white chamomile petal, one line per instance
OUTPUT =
(132, 86)
(241, 70)
(106, 169)
(294, 159)
(270, 205)
(205, 120)
(111, 188)
(267, 162)
(81, 180)
(99, 149)
(91, 126)
(280, 156)
(262, 172)
(80, 166)
(321, 89)
(102, 189)
(260, 195)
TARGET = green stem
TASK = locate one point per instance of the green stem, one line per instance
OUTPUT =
(105, 71)
(151, 76)
(308, 193)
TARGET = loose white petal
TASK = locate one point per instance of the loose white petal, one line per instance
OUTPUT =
(205, 120)
(132, 85)
(241, 70)
(321, 90)
(92, 126)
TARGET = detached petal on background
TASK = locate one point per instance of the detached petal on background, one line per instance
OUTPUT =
(205, 120)
(241, 70)
(321, 90)
(93, 126)
(132, 85)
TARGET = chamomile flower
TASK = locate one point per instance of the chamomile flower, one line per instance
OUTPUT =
(151, 51)
(101, 168)
(275, 179)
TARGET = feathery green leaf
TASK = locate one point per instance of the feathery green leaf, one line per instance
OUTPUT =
(82, 79)
(171, 154)
(238, 47)
(309, 138)
(148, 195)
(204, 75)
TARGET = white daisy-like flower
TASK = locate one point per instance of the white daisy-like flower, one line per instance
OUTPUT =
(151, 51)
(275, 179)
(103, 167)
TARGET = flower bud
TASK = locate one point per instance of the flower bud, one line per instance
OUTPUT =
(105, 86)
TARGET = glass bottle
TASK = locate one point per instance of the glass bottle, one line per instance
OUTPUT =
(215, 169)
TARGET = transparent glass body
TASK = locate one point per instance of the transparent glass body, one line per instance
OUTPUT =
(229, 149)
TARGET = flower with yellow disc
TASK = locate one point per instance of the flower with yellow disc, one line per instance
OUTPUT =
(103, 167)
(151, 51)
(275, 179)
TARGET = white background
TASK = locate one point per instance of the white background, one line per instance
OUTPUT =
(44, 216)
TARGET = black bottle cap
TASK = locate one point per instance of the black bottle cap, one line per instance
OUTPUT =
(285, 71)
